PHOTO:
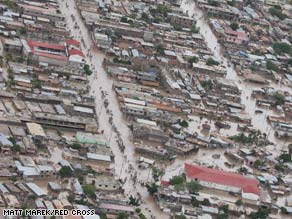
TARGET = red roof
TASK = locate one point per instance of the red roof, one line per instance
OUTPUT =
(32, 44)
(75, 52)
(164, 183)
(52, 56)
(248, 185)
(72, 42)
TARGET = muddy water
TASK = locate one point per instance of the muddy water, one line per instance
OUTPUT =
(99, 81)
(258, 120)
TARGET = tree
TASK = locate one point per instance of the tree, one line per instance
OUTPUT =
(75, 146)
(156, 173)
(231, 2)
(223, 212)
(20, 59)
(160, 49)
(175, 180)
(103, 216)
(142, 216)
(193, 60)
(152, 188)
(207, 85)
(279, 98)
(87, 70)
(15, 146)
(134, 201)
(195, 29)
(66, 172)
(22, 31)
(213, 3)
(277, 12)
(262, 213)
(211, 61)
(11, 5)
(234, 26)
(13, 178)
(122, 215)
(184, 123)
(243, 170)
(177, 27)
(238, 202)
(124, 19)
(89, 190)
(9, 57)
(181, 216)
(259, 163)
(271, 66)
(285, 158)
(194, 186)
(145, 17)
(281, 47)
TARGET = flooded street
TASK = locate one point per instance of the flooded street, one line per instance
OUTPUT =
(259, 121)
(99, 81)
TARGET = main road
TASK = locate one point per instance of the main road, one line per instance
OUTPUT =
(99, 81)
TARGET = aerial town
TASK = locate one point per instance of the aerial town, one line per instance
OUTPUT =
(165, 109)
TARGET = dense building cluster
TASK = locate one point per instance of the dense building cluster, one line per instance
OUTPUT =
(147, 109)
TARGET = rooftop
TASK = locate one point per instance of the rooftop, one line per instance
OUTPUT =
(248, 185)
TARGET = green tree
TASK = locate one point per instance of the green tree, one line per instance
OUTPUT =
(285, 158)
(262, 213)
(15, 146)
(195, 29)
(213, 3)
(89, 190)
(193, 60)
(160, 49)
(20, 59)
(211, 61)
(279, 98)
(223, 212)
(259, 163)
(75, 146)
(207, 85)
(66, 171)
(145, 17)
(11, 5)
(184, 123)
(152, 188)
(175, 180)
(9, 57)
(277, 12)
(156, 173)
(234, 26)
(194, 186)
(13, 178)
(124, 19)
(134, 201)
(87, 70)
(181, 216)
(122, 215)
(281, 47)
(270, 65)
(22, 31)
(142, 216)
(177, 27)
(238, 202)
(231, 2)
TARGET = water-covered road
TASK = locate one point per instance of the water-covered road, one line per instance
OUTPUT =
(99, 81)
